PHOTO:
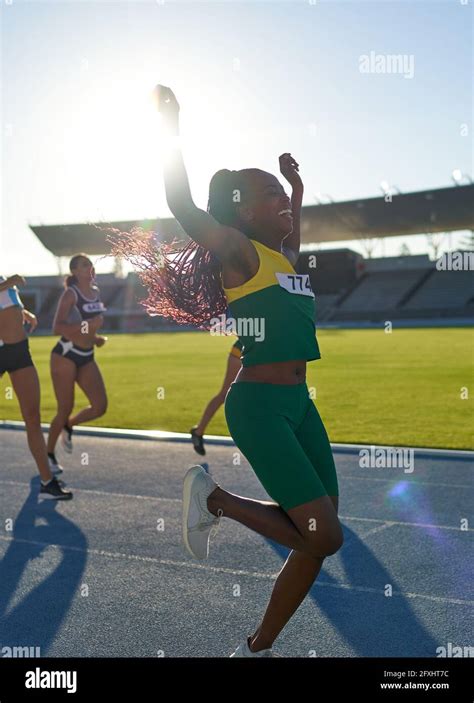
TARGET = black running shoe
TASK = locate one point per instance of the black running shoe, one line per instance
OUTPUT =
(198, 442)
(54, 491)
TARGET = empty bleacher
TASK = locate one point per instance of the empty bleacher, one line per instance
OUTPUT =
(325, 304)
(443, 290)
(380, 290)
(405, 288)
(359, 291)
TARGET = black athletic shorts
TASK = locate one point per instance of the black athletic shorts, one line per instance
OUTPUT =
(14, 356)
(78, 355)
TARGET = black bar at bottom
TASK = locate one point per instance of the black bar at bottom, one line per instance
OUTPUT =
(138, 680)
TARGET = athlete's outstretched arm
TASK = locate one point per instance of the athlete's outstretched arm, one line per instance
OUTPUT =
(289, 169)
(198, 224)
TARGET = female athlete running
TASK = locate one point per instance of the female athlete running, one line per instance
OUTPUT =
(15, 359)
(78, 318)
(242, 255)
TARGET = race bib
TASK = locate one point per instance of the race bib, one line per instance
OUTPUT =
(94, 307)
(298, 283)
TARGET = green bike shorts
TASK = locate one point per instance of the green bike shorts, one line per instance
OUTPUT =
(281, 434)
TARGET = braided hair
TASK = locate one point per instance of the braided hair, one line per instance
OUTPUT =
(186, 286)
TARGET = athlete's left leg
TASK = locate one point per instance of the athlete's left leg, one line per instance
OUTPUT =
(300, 569)
(90, 380)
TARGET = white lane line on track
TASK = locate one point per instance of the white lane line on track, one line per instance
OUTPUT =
(184, 437)
(401, 523)
(178, 500)
(104, 493)
(392, 479)
(373, 531)
(234, 572)
(345, 477)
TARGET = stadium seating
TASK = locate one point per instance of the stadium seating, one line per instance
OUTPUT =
(443, 290)
(363, 291)
(380, 290)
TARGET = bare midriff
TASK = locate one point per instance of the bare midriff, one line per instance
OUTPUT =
(11, 325)
(285, 373)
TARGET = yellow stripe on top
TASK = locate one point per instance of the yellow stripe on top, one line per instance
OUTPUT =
(271, 262)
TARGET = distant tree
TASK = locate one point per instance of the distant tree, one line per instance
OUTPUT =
(405, 250)
(369, 246)
(434, 244)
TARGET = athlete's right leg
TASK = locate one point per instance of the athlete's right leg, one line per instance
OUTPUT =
(290, 589)
(63, 375)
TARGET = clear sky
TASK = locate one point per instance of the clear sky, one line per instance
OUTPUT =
(254, 79)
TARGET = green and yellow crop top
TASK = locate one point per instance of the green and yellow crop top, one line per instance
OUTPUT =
(274, 312)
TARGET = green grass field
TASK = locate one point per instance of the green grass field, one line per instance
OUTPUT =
(403, 388)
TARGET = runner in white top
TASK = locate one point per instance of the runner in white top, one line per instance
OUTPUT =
(15, 359)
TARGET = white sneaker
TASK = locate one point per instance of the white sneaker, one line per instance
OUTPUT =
(243, 650)
(54, 467)
(197, 519)
(66, 440)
